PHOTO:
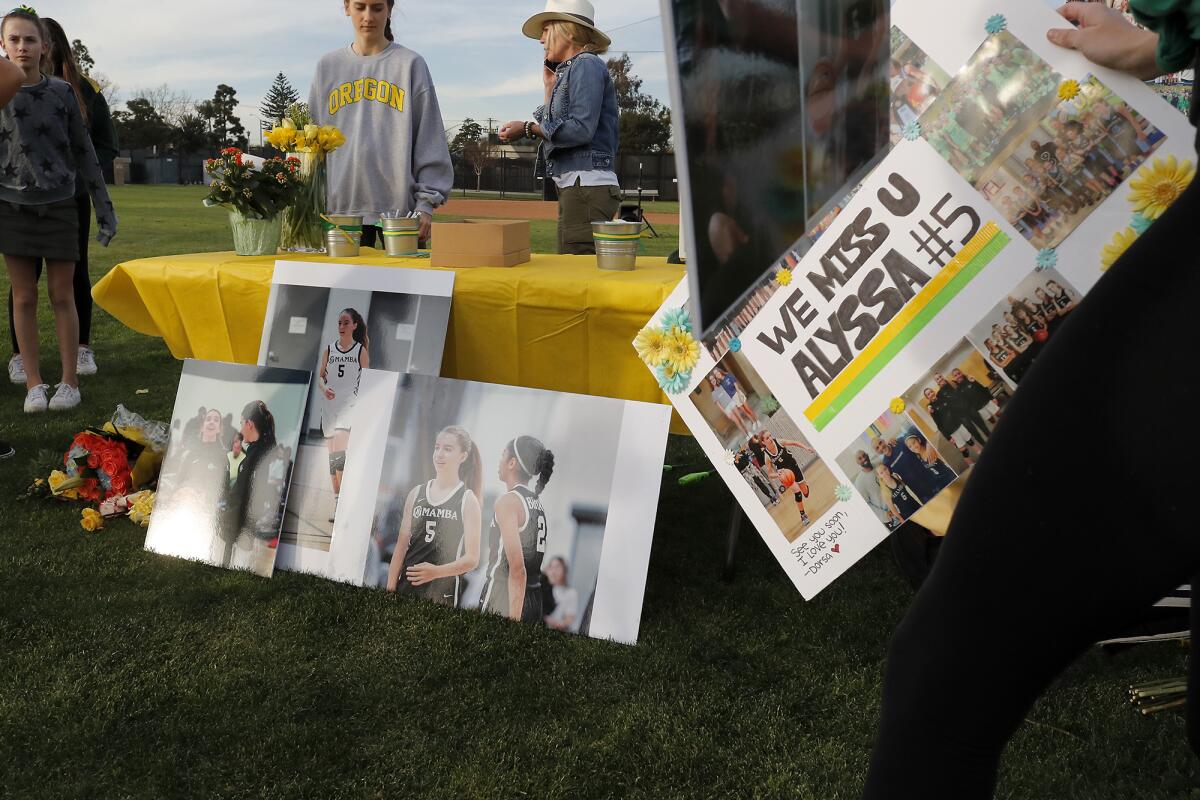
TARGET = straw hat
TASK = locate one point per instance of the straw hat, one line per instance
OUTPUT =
(577, 11)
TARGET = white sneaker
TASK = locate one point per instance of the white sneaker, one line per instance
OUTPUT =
(16, 370)
(65, 397)
(35, 399)
(85, 363)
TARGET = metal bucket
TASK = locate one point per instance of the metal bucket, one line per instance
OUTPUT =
(400, 235)
(337, 246)
(617, 244)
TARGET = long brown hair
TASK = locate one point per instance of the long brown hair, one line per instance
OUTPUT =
(470, 472)
(63, 64)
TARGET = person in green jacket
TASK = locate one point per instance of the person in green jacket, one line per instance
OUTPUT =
(61, 63)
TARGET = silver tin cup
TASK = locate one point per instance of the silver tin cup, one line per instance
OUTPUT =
(400, 236)
(338, 246)
(617, 244)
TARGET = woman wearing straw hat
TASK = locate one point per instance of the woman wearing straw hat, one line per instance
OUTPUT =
(577, 125)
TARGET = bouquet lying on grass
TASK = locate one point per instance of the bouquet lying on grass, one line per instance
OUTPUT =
(111, 469)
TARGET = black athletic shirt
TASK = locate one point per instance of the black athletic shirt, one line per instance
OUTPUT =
(437, 534)
(784, 460)
(533, 548)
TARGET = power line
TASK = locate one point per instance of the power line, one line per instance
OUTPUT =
(631, 24)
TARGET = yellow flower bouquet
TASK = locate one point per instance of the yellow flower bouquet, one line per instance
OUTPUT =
(297, 137)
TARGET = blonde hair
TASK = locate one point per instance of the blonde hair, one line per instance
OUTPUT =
(576, 34)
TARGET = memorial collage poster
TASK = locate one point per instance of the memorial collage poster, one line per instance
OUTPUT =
(867, 372)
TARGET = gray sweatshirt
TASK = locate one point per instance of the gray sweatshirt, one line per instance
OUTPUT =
(395, 156)
(43, 145)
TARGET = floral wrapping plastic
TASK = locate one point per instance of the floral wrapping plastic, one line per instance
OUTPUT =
(255, 237)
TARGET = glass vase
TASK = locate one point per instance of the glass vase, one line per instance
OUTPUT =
(255, 237)
(303, 231)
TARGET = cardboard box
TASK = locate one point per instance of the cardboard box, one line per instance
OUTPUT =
(480, 243)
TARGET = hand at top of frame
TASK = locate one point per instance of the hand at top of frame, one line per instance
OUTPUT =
(1104, 36)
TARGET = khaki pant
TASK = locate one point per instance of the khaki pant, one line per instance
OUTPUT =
(580, 206)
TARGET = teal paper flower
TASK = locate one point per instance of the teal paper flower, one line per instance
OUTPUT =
(1047, 258)
(735, 346)
(670, 381)
(996, 24)
(1140, 223)
(677, 318)
(844, 493)
(912, 130)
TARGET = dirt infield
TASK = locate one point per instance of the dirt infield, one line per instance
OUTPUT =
(526, 209)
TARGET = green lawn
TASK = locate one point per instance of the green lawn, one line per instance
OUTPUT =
(662, 206)
(124, 674)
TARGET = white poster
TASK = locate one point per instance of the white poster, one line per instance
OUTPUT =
(868, 375)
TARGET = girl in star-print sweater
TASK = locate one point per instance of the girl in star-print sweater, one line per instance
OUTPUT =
(44, 144)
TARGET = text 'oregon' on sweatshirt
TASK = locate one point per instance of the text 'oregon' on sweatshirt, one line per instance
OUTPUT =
(396, 155)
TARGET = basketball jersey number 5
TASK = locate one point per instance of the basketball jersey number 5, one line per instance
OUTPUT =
(430, 530)
(341, 370)
(541, 537)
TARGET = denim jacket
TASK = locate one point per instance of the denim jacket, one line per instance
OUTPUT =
(580, 121)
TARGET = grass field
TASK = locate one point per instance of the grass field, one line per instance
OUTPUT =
(125, 674)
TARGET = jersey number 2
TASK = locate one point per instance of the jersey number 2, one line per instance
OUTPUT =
(541, 539)
(430, 530)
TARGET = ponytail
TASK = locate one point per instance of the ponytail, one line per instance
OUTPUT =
(470, 472)
(360, 327)
(533, 459)
(257, 412)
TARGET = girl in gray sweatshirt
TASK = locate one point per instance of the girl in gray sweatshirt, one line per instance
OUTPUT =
(381, 96)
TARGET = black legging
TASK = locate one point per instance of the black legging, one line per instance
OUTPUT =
(996, 621)
(82, 280)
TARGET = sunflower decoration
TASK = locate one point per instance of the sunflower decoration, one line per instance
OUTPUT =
(1068, 90)
(651, 345)
(1116, 248)
(784, 276)
(898, 405)
(683, 351)
(1157, 185)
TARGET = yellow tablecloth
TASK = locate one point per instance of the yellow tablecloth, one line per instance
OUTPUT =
(555, 323)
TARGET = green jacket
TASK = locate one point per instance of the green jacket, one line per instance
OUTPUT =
(1177, 23)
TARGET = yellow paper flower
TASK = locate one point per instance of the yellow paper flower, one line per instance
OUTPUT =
(651, 345)
(683, 351)
(1068, 90)
(142, 508)
(898, 405)
(784, 276)
(1156, 186)
(1116, 248)
(91, 520)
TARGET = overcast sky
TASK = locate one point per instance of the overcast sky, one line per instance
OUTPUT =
(482, 66)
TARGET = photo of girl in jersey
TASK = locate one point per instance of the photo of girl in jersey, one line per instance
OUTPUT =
(1012, 334)
(225, 475)
(342, 364)
(521, 483)
(338, 321)
(764, 444)
(955, 406)
(895, 467)
(518, 533)
(439, 537)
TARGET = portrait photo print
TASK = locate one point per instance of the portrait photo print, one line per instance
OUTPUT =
(765, 445)
(539, 506)
(339, 320)
(225, 476)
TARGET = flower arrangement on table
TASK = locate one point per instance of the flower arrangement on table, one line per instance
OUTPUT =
(254, 196)
(110, 469)
(303, 227)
